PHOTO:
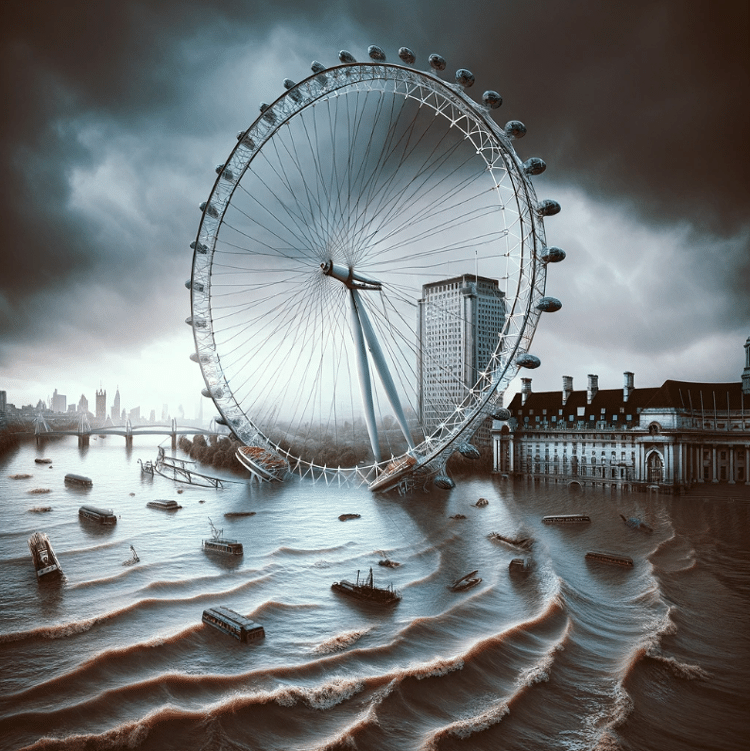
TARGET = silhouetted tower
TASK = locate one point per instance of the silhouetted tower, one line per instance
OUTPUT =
(101, 405)
(116, 406)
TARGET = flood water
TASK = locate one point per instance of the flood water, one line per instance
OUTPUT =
(574, 655)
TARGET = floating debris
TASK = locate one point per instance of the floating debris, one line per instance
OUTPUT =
(635, 523)
(40, 509)
(458, 516)
(133, 558)
(516, 542)
(344, 517)
(39, 491)
(520, 565)
(467, 581)
(481, 503)
(613, 559)
(365, 589)
(20, 477)
(388, 563)
(43, 461)
(233, 514)
(45, 560)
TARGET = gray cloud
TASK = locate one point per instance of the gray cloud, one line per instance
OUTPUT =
(115, 113)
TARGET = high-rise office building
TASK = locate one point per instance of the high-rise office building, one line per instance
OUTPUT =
(59, 402)
(116, 406)
(83, 405)
(101, 405)
(458, 327)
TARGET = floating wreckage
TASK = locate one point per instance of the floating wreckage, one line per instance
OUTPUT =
(133, 558)
(457, 516)
(516, 542)
(388, 563)
(635, 523)
(481, 503)
(520, 566)
(345, 517)
(613, 559)
(467, 581)
(218, 544)
(365, 589)
(45, 560)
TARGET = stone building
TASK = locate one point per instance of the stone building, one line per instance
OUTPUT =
(672, 437)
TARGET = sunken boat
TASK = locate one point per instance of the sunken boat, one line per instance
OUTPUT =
(613, 559)
(164, 505)
(567, 519)
(100, 515)
(45, 560)
(233, 623)
(365, 589)
(467, 581)
(635, 523)
(219, 544)
(73, 479)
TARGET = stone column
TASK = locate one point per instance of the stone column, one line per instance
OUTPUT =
(714, 466)
(731, 465)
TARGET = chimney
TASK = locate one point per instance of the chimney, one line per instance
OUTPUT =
(525, 390)
(592, 388)
(628, 387)
(746, 372)
(567, 388)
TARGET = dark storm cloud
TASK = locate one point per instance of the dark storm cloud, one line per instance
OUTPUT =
(641, 104)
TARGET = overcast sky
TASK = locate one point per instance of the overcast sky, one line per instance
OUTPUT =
(115, 113)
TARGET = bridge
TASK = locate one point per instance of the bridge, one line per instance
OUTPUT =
(84, 431)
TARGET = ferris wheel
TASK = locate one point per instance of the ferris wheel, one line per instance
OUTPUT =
(368, 273)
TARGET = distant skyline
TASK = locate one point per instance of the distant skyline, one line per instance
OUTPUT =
(116, 114)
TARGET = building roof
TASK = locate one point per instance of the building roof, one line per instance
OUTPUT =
(697, 397)
(609, 400)
(679, 395)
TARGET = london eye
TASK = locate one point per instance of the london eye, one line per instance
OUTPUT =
(368, 273)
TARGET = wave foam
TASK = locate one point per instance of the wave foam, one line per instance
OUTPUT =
(341, 641)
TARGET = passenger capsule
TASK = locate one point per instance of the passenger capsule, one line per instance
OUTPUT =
(189, 320)
(219, 420)
(245, 140)
(227, 174)
(437, 62)
(444, 482)
(464, 78)
(515, 129)
(548, 304)
(346, 57)
(470, 452)
(209, 209)
(206, 393)
(534, 166)
(552, 255)
(289, 84)
(501, 413)
(548, 207)
(492, 99)
(317, 67)
(407, 55)
(528, 361)
(188, 284)
(376, 53)
(200, 247)
(268, 113)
